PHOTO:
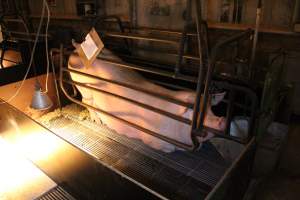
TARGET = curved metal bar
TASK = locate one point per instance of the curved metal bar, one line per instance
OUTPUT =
(152, 133)
(211, 66)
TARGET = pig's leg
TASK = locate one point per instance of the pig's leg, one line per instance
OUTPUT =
(88, 98)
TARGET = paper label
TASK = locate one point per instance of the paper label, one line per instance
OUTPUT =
(89, 47)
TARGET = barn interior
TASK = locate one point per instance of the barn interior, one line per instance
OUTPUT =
(236, 59)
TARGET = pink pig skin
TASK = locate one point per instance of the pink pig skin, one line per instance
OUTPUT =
(133, 113)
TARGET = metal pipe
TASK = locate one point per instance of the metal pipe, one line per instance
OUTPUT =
(217, 133)
(133, 13)
(151, 70)
(54, 79)
(184, 36)
(164, 31)
(211, 66)
(146, 106)
(114, 17)
(24, 33)
(200, 75)
(229, 112)
(138, 37)
(257, 23)
(61, 63)
(151, 93)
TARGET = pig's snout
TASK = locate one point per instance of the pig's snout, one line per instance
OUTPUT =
(221, 121)
(215, 122)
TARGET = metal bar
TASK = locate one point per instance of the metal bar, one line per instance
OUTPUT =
(146, 106)
(119, 22)
(211, 66)
(152, 133)
(151, 70)
(217, 133)
(2, 54)
(54, 79)
(200, 75)
(254, 103)
(185, 56)
(151, 93)
(165, 31)
(12, 61)
(213, 194)
(175, 87)
(255, 39)
(184, 36)
(138, 37)
(237, 105)
(229, 112)
(24, 33)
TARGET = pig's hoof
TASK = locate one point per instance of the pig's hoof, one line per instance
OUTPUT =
(199, 146)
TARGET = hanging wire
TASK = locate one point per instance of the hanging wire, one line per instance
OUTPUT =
(31, 58)
(46, 45)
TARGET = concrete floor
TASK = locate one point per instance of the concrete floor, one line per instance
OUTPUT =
(284, 183)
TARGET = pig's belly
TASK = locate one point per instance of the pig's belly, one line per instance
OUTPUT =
(142, 117)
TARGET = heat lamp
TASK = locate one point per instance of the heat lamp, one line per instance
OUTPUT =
(40, 99)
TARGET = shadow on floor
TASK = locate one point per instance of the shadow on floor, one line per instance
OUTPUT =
(284, 183)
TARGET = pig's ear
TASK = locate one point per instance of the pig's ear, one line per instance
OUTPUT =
(75, 44)
(217, 98)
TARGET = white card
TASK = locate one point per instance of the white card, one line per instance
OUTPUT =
(89, 47)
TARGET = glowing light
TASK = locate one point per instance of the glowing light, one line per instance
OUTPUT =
(19, 178)
(34, 144)
(38, 146)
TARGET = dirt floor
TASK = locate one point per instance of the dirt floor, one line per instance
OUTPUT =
(284, 183)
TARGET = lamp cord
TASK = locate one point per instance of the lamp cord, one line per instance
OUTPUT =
(46, 45)
(31, 57)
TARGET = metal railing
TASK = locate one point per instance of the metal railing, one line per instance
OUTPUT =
(199, 109)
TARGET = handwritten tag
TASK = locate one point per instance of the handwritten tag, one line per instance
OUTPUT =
(90, 48)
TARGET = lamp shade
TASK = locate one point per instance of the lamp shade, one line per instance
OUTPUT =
(40, 100)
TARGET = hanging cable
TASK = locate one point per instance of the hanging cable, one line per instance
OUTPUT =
(31, 58)
(46, 45)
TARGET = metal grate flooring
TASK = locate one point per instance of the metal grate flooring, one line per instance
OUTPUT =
(56, 193)
(177, 175)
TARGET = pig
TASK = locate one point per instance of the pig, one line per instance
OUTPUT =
(136, 114)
